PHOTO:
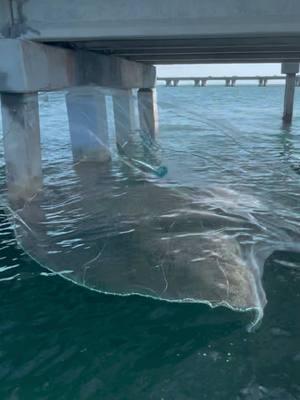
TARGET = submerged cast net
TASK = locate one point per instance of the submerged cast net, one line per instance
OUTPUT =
(192, 219)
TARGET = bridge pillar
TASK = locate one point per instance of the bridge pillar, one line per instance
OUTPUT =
(124, 115)
(203, 82)
(197, 82)
(290, 69)
(21, 138)
(148, 111)
(175, 82)
(88, 124)
(260, 82)
(265, 81)
(168, 82)
(227, 82)
(233, 82)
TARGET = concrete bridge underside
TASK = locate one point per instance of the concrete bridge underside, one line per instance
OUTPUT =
(162, 31)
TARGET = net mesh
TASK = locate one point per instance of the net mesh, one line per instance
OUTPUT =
(190, 215)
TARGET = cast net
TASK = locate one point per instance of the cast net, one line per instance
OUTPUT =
(190, 215)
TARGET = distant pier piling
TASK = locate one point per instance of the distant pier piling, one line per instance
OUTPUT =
(290, 69)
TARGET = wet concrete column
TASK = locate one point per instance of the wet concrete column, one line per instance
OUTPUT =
(148, 113)
(125, 115)
(88, 124)
(290, 69)
(21, 138)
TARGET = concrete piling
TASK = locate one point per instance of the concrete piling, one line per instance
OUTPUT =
(21, 137)
(88, 124)
(27, 68)
(290, 69)
(148, 113)
(124, 115)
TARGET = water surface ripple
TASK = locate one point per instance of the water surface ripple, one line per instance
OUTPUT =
(222, 227)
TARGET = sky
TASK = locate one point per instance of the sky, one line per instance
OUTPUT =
(218, 69)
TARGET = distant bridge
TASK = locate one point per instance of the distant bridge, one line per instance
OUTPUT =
(228, 80)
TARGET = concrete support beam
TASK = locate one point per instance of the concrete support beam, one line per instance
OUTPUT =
(21, 138)
(139, 19)
(148, 111)
(197, 82)
(88, 125)
(165, 32)
(124, 106)
(5, 19)
(227, 82)
(233, 82)
(175, 82)
(203, 82)
(29, 67)
(290, 69)
(168, 82)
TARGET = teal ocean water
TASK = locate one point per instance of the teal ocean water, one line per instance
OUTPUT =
(229, 202)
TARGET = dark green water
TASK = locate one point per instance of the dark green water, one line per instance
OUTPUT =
(61, 341)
